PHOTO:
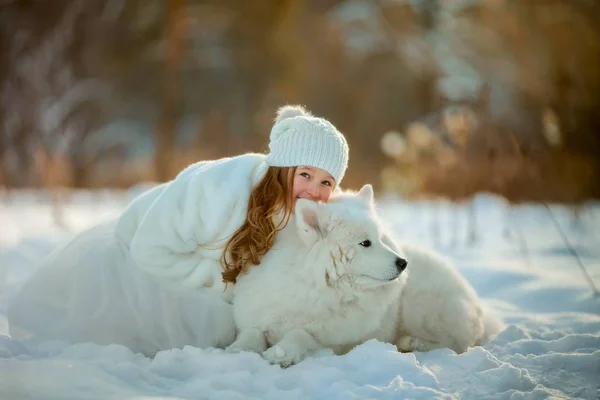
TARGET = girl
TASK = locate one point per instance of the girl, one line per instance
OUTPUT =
(160, 276)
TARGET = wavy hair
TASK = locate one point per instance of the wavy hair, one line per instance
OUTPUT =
(271, 198)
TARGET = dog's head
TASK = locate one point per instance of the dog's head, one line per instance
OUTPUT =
(346, 238)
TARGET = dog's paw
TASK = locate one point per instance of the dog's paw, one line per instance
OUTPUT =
(407, 344)
(277, 355)
(236, 347)
(248, 342)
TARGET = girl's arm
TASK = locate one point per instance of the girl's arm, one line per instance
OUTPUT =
(192, 212)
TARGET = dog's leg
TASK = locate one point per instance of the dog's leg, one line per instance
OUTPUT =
(292, 348)
(248, 340)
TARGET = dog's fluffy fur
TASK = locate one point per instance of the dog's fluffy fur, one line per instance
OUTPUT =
(334, 280)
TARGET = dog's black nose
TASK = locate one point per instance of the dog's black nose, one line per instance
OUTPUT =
(401, 264)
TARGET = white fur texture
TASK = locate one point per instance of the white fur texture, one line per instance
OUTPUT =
(320, 287)
(176, 232)
(438, 307)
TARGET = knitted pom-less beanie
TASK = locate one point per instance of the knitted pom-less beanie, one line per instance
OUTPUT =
(299, 138)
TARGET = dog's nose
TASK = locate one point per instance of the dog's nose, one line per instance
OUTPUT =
(401, 264)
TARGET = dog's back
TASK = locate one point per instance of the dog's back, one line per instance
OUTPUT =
(438, 305)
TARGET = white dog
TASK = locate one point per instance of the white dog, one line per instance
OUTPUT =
(334, 280)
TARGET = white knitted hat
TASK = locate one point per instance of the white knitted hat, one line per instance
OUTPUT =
(299, 138)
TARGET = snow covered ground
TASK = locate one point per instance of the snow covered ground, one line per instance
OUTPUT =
(519, 264)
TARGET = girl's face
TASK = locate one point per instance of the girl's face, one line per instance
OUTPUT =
(312, 183)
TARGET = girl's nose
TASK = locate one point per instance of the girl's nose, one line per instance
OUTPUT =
(313, 191)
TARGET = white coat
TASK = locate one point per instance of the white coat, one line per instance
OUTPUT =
(150, 280)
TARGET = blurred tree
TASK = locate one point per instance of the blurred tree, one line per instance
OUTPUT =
(171, 105)
(257, 62)
(157, 84)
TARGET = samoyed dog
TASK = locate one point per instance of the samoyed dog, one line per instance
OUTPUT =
(333, 279)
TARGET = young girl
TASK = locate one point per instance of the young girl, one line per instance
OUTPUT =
(160, 276)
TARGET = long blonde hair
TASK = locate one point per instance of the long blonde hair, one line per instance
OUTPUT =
(271, 197)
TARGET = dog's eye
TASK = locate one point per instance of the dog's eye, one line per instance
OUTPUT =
(365, 243)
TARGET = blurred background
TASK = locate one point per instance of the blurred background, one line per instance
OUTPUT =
(436, 97)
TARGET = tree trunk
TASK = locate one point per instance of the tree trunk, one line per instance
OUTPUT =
(166, 135)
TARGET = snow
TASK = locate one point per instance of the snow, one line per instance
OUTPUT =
(519, 264)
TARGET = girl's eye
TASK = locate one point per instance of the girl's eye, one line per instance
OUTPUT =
(305, 174)
(326, 183)
(365, 243)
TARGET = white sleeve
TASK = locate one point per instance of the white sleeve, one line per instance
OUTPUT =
(190, 211)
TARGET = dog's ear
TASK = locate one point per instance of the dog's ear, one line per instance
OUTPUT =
(366, 193)
(311, 218)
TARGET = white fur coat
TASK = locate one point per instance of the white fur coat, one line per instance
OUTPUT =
(178, 230)
(142, 280)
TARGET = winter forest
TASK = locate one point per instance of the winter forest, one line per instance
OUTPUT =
(436, 97)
